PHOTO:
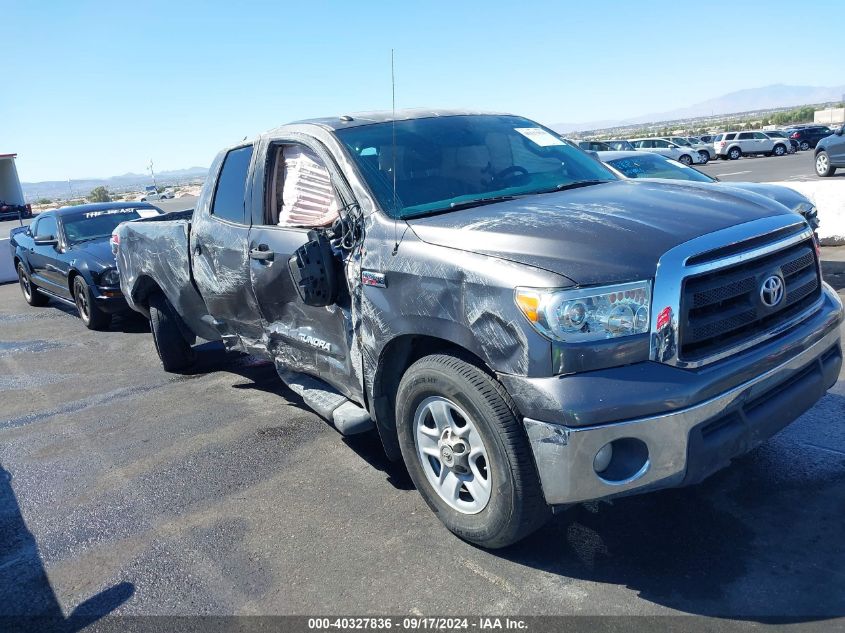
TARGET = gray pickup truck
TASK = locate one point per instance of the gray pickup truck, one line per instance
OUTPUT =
(525, 330)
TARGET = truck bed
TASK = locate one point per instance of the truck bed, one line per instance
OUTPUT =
(155, 251)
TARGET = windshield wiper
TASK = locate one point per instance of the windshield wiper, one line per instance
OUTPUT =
(90, 239)
(571, 185)
(479, 202)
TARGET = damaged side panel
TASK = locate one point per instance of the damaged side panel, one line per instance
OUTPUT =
(154, 256)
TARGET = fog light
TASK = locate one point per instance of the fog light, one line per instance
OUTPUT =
(602, 459)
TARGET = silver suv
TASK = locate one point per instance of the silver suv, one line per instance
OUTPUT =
(733, 145)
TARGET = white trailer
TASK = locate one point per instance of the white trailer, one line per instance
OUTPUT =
(11, 198)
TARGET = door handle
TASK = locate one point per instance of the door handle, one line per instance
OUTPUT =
(262, 253)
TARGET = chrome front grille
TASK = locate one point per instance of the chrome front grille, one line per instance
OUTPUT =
(723, 308)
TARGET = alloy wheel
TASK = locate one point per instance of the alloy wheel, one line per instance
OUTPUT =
(26, 286)
(453, 456)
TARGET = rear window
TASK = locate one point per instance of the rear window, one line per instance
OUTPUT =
(229, 197)
(730, 137)
(97, 225)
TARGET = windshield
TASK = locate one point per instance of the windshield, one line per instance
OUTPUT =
(680, 141)
(620, 145)
(447, 162)
(94, 225)
(655, 166)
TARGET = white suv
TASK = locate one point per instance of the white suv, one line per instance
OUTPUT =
(682, 154)
(705, 149)
(747, 143)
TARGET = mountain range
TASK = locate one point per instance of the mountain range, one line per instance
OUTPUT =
(63, 189)
(774, 96)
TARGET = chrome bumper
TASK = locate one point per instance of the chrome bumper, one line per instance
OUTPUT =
(564, 455)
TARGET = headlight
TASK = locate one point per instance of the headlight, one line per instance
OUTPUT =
(588, 314)
(110, 278)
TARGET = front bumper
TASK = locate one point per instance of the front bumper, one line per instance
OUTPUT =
(685, 444)
(109, 300)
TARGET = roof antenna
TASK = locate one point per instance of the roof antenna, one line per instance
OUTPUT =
(393, 155)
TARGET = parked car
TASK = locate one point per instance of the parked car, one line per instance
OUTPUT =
(707, 138)
(685, 155)
(705, 150)
(808, 137)
(522, 327)
(620, 145)
(152, 193)
(64, 254)
(779, 134)
(10, 210)
(830, 153)
(733, 145)
(593, 146)
(648, 165)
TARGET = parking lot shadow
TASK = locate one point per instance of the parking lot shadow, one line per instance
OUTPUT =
(27, 601)
(834, 272)
(758, 541)
(262, 376)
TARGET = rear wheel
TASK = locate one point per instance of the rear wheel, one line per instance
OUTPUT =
(28, 289)
(705, 157)
(467, 452)
(823, 166)
(174, 351)
(686, 160)
(804, 145)
(735, 153)
(91, 315)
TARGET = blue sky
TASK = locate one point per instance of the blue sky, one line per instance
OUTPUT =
(98, 88)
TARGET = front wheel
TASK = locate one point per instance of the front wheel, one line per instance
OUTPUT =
(467, 452)
(705, 157)
(91, 315)
(779, 150)
(823, 166)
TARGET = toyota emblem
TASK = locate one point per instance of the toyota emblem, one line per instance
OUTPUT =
(771, 291)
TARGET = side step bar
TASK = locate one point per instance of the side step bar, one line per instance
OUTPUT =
(347, 417)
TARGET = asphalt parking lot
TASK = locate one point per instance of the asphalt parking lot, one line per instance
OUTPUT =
(126, 490)
(792, 167)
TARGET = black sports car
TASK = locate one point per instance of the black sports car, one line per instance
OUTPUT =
(65, 254)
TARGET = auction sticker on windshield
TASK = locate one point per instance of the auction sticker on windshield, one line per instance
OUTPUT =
(539, 136)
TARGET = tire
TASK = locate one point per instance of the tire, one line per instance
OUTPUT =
(686, 160)
(91, 315)
(705, 157)
(28, 289)
(779, 150)
(823, 166)
(510, 505)
(173, 350)
(804, 146)
(735, 153)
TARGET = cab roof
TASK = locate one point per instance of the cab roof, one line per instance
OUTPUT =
(357, 119)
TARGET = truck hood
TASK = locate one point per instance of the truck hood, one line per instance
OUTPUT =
(603, 233)
(96, 253)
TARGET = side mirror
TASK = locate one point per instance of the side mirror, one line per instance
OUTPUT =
(47, 240)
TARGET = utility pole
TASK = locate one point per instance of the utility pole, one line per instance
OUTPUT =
(152, 173)
(70, 189)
